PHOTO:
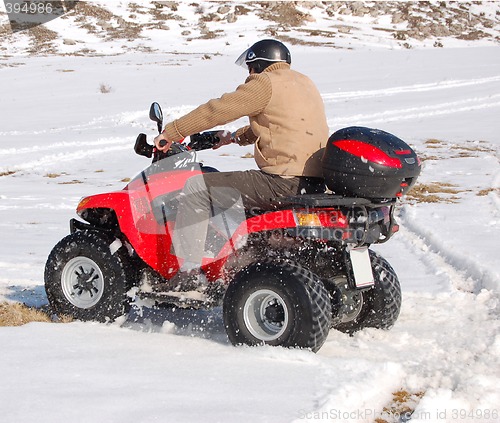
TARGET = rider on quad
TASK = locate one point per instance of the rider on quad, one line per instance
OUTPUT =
(288, 128)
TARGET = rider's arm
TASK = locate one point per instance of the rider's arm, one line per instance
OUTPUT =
(249, 99)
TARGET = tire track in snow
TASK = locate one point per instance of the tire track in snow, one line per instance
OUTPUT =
(58, 145)
(101, 122)
(463, 272)
(494, 194)
(411, 113)
(61, 157)
(434, 86)
(131, 118)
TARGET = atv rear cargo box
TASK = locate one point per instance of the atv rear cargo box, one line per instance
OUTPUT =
(369, 163)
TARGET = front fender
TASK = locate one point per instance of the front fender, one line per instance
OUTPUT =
(136, 221)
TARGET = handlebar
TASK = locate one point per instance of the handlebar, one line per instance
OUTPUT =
(198, 142)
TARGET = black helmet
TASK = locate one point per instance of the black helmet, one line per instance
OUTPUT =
(263, 54)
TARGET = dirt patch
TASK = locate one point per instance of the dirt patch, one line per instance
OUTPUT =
(11, 64)
(434, 141)
(7, 173)
(484, 192)
(299, 42)
(283, 13)
(74, 181)
(104, 23)
(469, 150)
(53, 175)
(17, 314)
(41, 40)
(423, 157)
(408, 22)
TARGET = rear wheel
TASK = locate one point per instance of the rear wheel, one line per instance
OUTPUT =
(86, 279)
(277, 303)
(377, 307)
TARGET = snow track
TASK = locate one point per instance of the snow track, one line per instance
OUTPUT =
(59, 146)
(74, 155)
(464, 273)
(495, 194)
(408, 89)
(421, 112)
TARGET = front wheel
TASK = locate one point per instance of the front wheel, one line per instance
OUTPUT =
(277, 303)
(86, 279)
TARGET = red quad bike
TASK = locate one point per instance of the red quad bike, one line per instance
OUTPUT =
(283, 277)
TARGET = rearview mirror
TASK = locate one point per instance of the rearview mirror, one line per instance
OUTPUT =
(156, 115)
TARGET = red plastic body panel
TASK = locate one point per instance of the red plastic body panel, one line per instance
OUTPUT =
(150, 236)
(150, 239)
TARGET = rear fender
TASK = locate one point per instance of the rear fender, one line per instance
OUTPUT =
(285, 221)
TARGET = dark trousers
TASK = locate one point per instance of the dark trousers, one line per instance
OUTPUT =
(237, 193)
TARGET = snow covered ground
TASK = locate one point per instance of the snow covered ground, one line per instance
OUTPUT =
(62, 137)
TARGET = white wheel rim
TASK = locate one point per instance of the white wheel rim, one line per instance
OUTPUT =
(265, 315)
(82, 282)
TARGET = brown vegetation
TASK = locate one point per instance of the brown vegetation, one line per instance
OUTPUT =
(403, 405)
(434, 192)
(17, 314)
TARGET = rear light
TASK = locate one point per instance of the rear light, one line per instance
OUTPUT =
(307, 219)
(320, 218)
(368, 152)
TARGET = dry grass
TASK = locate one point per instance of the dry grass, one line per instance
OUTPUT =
(52, 175)
(486, 191)
(434, 192)
(74, 181)
(7, 173)
(283, 13)
(105, 89)
(473, 148)
(17, 314)
(434, 143)
(403, 404)
(41, 40)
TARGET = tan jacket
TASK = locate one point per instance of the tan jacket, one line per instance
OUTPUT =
(287, 120)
